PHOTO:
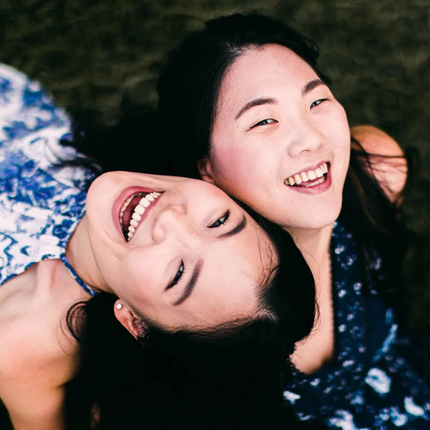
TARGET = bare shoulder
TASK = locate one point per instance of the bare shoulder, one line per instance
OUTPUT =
(37, 356)
(34, 357)
(33, 372)
(387, 159)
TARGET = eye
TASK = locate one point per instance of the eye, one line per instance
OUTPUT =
(317, 102)
(178, 275)
(221, 220)
(264, 122)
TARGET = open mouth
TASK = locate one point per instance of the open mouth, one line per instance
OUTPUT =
(133, 210)
(309, 178)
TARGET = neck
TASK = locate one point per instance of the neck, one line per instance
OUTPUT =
(80, 256)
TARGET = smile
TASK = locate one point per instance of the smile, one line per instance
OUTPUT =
(308, 178)
(132, 211)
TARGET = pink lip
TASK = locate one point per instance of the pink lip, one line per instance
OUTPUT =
(306, 169)
(119, 203)
(317, 188)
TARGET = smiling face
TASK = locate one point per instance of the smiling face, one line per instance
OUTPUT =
(280, 140)
(193, 258)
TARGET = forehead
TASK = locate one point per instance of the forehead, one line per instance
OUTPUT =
(231, 280)
(229, 286)
(267, 65)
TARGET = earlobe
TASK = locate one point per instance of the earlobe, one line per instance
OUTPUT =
(205, 169)
(128, 320)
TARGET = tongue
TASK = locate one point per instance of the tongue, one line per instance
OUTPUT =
(126, 217)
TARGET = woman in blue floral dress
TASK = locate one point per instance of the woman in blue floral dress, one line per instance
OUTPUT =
(244, 106)
(166, 250)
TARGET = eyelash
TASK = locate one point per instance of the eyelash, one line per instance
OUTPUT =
(259, 124)
(178, 276)
(319, 100)
(226, 216)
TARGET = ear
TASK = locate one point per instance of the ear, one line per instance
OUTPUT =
(205, 169)
(128, 319)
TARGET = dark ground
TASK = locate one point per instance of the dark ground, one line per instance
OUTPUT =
(93, 54)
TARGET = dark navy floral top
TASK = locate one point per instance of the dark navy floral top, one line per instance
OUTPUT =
(376, 380)
(40, 205)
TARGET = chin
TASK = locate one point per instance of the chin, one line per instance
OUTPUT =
(318, 222)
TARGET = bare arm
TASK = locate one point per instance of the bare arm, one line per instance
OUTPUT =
(387, 159)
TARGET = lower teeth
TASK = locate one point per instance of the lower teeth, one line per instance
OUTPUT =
(315, 183)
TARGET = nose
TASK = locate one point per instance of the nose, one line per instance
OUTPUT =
(307, 137)
(171, 221)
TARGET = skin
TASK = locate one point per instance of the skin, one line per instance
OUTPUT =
(188, 224)
(276, 140)
(178, 229)
(274, 119)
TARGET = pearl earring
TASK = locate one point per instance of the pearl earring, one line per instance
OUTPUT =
(119, 306)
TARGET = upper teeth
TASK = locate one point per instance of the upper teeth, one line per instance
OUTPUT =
(309, 175)
(138, 211)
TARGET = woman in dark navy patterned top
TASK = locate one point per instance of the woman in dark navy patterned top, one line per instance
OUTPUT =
(244, 106)
(166, 249)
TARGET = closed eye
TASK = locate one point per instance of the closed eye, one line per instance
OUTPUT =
(221, 221)
(178, 276)
(317, 102)
(264, 122)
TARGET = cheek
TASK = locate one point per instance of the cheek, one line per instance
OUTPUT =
(237, 169)
(339, 128)
(137, 283)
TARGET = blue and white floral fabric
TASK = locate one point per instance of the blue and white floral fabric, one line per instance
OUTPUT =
(40, 204)
(376, 380)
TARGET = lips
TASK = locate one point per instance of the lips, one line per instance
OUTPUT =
(308, 177)
(311, 181)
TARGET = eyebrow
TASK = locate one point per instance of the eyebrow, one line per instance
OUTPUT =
(191, 284)
(256, 102)
(270, 101)
(312, 85)
(236, 230)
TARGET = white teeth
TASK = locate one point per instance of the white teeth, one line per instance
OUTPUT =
(136, 216)
(297, 179)
(309, 175)
(320, 181)
(139, 210)
(144, 202)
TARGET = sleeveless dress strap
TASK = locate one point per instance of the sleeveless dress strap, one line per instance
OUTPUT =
(78, 279)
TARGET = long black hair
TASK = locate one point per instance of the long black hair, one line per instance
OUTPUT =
(189, 84)
(226, 377)
(188, 90)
